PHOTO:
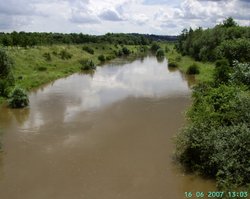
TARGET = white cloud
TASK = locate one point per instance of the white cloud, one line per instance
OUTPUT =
(101, 16)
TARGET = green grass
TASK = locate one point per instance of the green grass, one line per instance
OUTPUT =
(32, 69)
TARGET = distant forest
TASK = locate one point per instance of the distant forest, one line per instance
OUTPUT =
(25, 39)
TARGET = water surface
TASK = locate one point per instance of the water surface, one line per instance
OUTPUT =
(107, 135)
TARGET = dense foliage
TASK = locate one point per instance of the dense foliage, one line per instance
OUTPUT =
(226, 40)
(216, 141)
(6, 76)
(18, 98)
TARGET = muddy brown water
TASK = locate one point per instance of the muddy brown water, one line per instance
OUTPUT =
(108, 135)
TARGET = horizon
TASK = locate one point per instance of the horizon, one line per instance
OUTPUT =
(157, 17)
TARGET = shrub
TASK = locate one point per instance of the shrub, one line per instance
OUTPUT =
(215, 142)
(241, 73)
(126, 51)
(65, 54)
(178, 58)
(6, 65)
(87, 64)
(160, 53)
(54, 53)
(42, 68)
(119, 53)
(6, 76)
(88, 50)
(167, 49)
(172, 64)
(193, 69)
(101, 58)
(109, 57)
(154, 47)
(18, 98)
(5, 85)
(47, 56)
(222, 71)
(143, 48)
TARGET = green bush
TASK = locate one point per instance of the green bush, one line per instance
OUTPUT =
(101, 58)
(88, 50)
(126, 51)
(193, 69)
(110, 57)
(241, 73)
(178, 58)
(65, 54)
(160, 53)
(42, 68)
(5, 86)
(47, 56)
(119, 53)
(6, 64)
(172, 64)
(54, 53)
(167, 49)
(222, 71)
(18, 98)
(154, 47)
(6, 76)
(87, 64)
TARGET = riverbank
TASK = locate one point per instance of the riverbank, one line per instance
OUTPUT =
(39, 65)
(33, 67)
(183, 62)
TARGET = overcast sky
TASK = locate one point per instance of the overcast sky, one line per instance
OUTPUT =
(102, 16)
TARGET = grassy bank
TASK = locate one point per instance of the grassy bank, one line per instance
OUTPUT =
(33, 67)
(36, 66)
(183, 63)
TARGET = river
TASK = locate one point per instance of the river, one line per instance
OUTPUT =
(106, 135)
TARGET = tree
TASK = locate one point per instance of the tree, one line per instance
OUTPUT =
(229, 22)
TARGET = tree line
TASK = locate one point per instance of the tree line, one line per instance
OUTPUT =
(29, 39)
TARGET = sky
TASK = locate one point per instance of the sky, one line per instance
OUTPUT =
(163, 17)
